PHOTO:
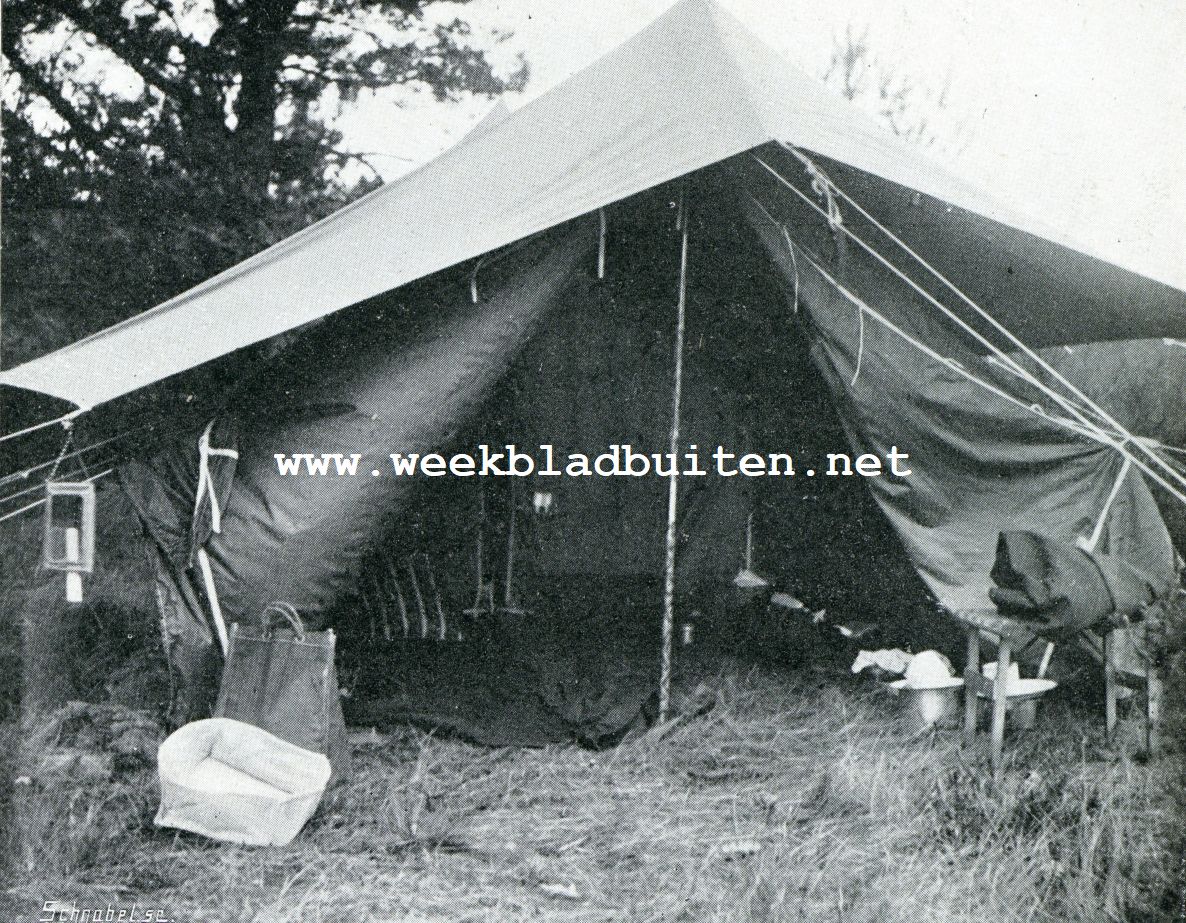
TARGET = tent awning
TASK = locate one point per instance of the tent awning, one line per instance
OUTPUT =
(691, 89)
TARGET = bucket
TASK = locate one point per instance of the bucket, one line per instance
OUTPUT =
(1025, 714)
(1021, 697)
(932, 706)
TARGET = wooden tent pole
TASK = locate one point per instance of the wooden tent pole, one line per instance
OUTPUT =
(672, 480)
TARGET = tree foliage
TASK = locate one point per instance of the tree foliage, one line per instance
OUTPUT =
(149, 143)
(909, 108)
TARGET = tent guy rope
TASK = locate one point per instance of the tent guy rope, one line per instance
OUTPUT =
(1075, 391)
(946, 311)
(66, 421)
(41, 502)
(939, 359)
(23, 475)
(109, 460)
(959, 369)
(1119, 444)
(945, 361)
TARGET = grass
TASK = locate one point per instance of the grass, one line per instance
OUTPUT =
(776, 797)
(78, 651)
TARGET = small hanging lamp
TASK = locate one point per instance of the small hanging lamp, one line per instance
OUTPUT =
(68, 533)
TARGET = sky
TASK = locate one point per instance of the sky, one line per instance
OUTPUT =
(1078, 106)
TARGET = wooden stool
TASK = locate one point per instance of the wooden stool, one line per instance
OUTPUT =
(1011, 635)
(1114, 679)
(975, 683)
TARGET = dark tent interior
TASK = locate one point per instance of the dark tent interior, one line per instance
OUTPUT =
(587, 568)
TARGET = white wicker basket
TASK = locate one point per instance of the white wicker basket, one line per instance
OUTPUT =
(235, 782)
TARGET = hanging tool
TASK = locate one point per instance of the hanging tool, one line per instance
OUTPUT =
(381, 583)
(484, 589)
(508, 590)
(403, 606)
(419, 598)
(369, 604)
(746, 579)
(442, 626)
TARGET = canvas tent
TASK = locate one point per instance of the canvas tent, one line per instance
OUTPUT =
(1033, 385)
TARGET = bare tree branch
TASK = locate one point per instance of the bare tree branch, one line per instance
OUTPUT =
(137, 48)
(85, 134)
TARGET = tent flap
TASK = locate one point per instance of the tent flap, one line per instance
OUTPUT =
(987, 453)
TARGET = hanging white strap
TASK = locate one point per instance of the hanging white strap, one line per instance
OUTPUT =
(601, 244)
(791, 250)
(856, 372)
(205, 481)
(206, 486)
(1088, 544)
(212, 595)
(473, 281)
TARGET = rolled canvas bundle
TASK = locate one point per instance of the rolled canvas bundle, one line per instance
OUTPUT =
(1063, 588)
